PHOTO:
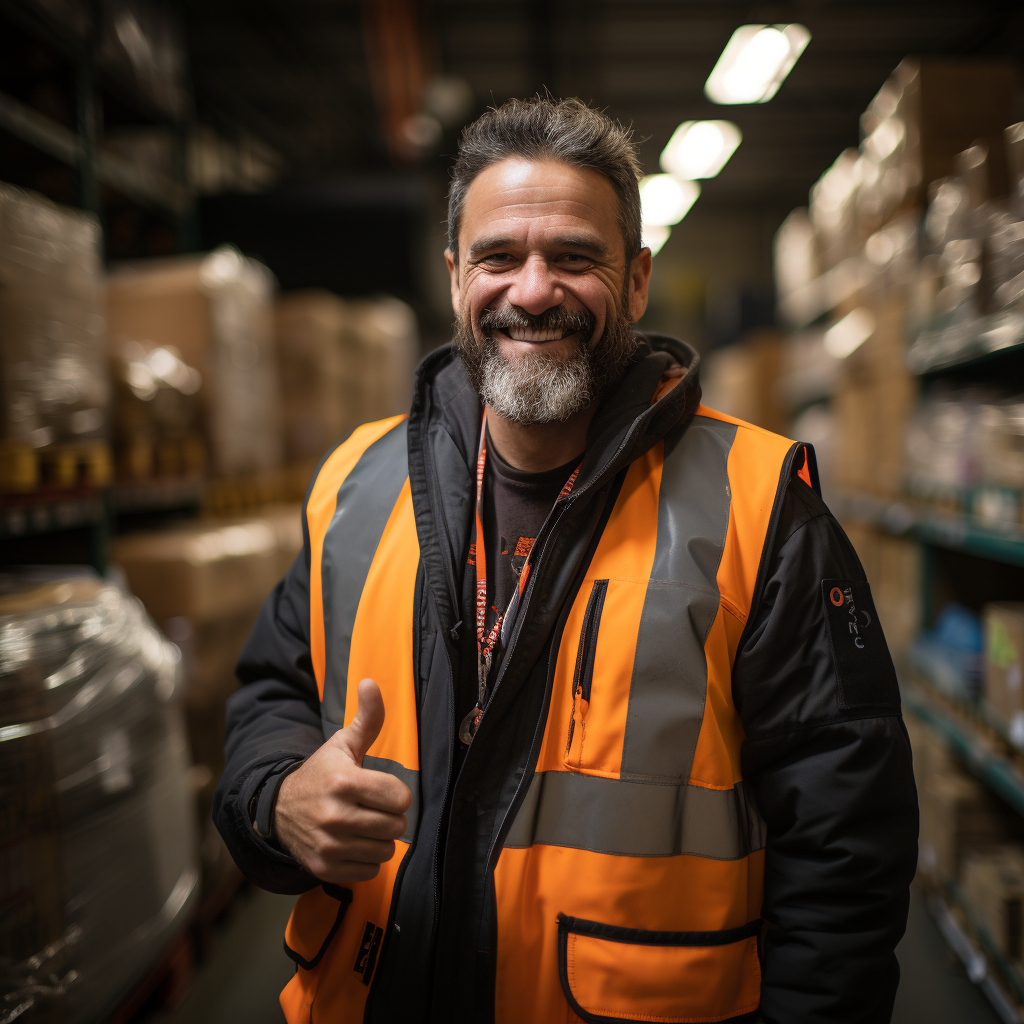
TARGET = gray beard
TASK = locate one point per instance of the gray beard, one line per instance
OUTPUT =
(540, 388)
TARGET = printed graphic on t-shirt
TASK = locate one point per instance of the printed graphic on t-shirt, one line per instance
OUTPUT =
(520, 553)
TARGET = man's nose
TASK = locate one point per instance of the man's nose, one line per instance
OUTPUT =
(535, 287)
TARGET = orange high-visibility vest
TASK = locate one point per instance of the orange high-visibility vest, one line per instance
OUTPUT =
(630, 882)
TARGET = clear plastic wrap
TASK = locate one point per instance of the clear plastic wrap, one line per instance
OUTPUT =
(53, 373)
(99, 861)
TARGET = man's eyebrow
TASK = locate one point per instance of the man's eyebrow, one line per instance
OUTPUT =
(585, 243)
(483, 245)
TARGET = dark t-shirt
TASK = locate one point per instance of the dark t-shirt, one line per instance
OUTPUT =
(515, 507)
(516, 504)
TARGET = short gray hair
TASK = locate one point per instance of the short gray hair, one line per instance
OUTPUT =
(539, 128)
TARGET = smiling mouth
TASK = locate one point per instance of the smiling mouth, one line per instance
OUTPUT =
(525, 334)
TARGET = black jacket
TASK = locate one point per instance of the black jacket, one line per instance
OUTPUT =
(832, 774)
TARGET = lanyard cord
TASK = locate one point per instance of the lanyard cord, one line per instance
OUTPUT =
(485, 642)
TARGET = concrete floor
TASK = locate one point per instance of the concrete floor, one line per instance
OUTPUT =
(247, 968)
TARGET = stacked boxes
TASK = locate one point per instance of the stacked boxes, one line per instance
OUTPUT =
(994, 884)
(320, 363)
(342, 363)
(53, 376)
(958, 815)
(209, 316)
(205, 582)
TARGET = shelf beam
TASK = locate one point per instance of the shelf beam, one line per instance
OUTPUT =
(145, 187)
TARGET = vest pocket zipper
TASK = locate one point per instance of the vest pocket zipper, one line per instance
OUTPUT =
(583, 676)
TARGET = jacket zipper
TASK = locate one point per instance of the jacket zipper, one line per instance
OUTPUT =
(553, 657)
(583, 676)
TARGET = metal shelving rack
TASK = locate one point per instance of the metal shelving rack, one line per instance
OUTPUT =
(96, 512)
(973, 733)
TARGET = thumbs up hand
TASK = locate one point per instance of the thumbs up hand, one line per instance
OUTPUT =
(336, 818)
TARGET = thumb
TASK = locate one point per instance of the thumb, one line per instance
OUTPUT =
(369, 718)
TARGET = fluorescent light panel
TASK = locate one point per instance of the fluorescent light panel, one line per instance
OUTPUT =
(700, 149)
(665, 199)
(655, 236)
(755, 63)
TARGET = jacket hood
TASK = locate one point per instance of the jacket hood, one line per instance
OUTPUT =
(648, 401)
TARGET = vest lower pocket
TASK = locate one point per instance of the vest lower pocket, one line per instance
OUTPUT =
(314, 922)
(614, 974)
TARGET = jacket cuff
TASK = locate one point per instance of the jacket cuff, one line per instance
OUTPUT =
(259, 798)
(264, 800)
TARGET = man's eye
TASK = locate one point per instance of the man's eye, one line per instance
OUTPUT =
(573, 258)
(498, 258)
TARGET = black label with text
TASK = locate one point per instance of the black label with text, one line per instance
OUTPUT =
(863, 665)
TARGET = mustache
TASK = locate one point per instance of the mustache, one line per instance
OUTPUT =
(558, 318)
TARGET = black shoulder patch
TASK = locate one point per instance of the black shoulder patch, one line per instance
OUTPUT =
(863, 665)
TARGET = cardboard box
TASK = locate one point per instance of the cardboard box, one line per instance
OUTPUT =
(1004, 660)
(742, 379)
(930, 110)
(932, 755)
(994, 886)
(202, 571)
(215, 313)
(321, 372)
(896, 588)
(958, 816)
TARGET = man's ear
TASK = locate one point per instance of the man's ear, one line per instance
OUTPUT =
(453, 274)
(639, 282)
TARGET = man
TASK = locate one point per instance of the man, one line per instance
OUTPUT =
(575, 705)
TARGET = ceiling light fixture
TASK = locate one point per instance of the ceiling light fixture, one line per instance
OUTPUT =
(665, 200)
(700, 149)
(755, 63)
(655, 236)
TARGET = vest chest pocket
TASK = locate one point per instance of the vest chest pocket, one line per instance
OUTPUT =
(596, 668)
(314, 922)
(617, 974)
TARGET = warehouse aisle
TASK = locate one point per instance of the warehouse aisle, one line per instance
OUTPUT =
(246, 970)
(933, 986)
(240, 982)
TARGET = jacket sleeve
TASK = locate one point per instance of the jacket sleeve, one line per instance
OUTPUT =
(272, 725)
(828, 757)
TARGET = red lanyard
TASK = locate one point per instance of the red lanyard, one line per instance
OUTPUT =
(485, 642)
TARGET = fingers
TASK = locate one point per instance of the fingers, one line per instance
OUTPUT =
(360, 733)
(369, 824)
(382, 792)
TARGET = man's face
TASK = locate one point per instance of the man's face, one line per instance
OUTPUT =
(543, 297)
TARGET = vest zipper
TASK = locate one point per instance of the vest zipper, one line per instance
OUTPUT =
(583, 676)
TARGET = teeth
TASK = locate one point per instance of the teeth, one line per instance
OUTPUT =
(521, 334)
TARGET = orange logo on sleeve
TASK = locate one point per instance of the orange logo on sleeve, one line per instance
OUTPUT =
(835, 595)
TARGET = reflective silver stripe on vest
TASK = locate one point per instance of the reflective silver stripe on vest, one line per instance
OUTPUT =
(410, 777)
(670, 672)
(365, 501)
(637, 819)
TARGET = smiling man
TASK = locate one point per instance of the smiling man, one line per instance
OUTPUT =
(575, 706)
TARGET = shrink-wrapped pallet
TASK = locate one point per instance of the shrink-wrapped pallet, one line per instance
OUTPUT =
(53, 373)
(214, 315)
(99, 862)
